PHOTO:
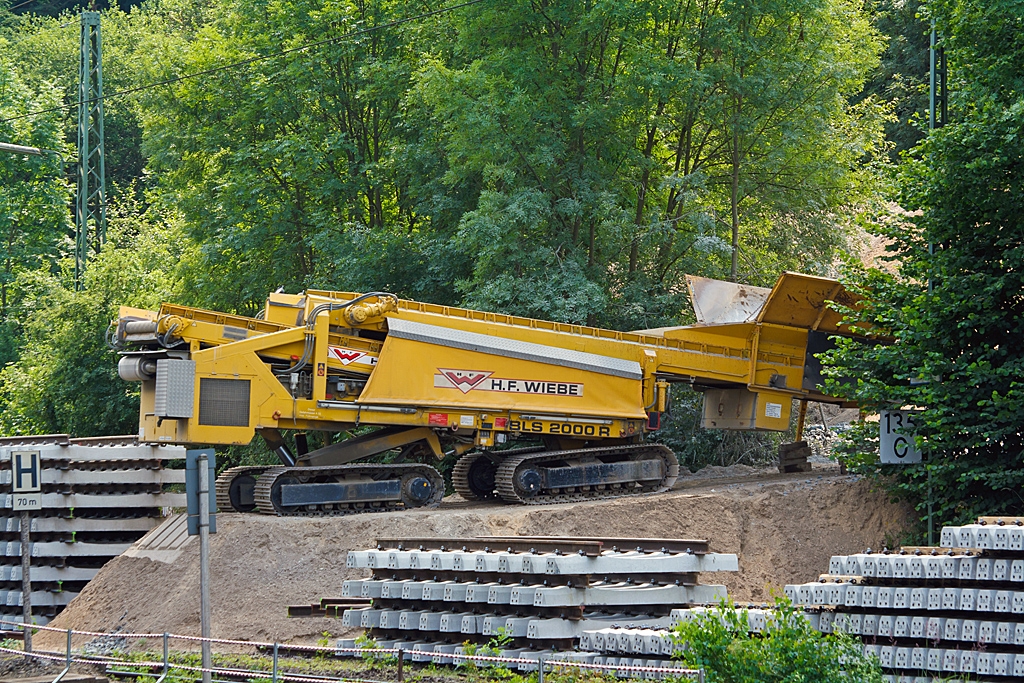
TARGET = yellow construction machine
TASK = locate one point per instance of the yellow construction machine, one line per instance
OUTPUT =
(380, 374)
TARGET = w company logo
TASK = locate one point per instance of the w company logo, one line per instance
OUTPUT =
(463, 380)
(347, 356)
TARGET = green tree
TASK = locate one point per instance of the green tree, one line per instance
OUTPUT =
(65, 379)
(283, 169)
(902, 76)
(608, 146)
(45, 53)
(33, 194)
(954, 311)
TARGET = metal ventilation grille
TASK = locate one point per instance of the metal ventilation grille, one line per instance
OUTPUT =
(224, 402)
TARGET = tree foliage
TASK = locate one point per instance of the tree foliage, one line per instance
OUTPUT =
(565, 160)
(901, 77)
(66, 380)
(562, 159)
(955, 310)
(33, 195)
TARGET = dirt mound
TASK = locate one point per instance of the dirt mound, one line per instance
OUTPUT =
(783, 528)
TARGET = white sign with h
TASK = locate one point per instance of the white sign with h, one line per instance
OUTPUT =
(26, 470)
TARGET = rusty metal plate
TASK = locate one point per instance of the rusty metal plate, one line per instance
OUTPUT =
(716, 302)
(799, 300)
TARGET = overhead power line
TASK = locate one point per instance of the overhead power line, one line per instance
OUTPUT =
(27, 2)
(245, 62)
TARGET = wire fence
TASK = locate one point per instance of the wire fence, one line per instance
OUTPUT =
(161, 669)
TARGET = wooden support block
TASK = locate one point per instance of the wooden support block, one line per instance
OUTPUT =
(793, 457)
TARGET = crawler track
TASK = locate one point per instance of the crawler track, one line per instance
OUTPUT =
(268, 497)
(475, 480)
(511, 468)
(225, 481)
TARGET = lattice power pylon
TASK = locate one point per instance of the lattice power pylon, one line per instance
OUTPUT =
(91, 199)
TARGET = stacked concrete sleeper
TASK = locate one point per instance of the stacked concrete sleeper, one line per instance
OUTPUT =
(98, 497)
(560, 606)
(954, 612)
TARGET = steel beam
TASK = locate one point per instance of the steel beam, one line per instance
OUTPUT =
(602, 473)
(547, 544)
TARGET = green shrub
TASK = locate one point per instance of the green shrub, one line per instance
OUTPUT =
(789, 650)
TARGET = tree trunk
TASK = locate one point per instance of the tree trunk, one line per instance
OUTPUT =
(591, 256)
(734, 198)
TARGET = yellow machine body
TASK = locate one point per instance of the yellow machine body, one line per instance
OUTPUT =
(214, 378)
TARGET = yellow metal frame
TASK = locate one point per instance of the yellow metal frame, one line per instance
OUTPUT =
(407, 382)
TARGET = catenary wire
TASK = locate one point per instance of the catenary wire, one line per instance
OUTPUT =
(22, 4)
(245, 62)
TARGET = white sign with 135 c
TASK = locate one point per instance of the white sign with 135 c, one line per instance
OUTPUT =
(896, 437)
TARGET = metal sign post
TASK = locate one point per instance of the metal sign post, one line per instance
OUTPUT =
(204, 560)
(199, 466)
(26, 485)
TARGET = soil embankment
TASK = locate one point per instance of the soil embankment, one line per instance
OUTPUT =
(783, 527)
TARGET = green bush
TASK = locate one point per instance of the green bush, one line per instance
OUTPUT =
(789, 650)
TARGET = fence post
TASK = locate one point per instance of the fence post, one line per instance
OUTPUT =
(401, 660)
(167, 659)
(273, 675)
(540, 668)
(67, 666)
(700, 675)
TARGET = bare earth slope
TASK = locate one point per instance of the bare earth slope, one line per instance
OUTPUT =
(783, 527)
